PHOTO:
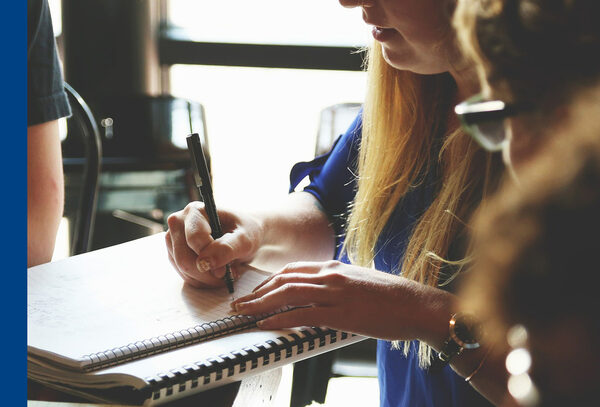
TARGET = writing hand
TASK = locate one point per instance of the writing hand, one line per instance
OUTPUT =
(198, 258)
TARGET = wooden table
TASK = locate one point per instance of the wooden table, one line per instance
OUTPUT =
(261, 390)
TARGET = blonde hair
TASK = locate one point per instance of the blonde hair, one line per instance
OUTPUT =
(403, 114)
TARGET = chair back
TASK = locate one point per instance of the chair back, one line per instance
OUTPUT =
(334, 120)
(82, 132)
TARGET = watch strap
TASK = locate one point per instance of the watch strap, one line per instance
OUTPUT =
(450, 350)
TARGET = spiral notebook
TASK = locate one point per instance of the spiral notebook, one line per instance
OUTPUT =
(118, 325)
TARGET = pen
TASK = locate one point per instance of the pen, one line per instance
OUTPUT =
(202, 179)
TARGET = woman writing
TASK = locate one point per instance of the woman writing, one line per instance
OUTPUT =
(388, 201)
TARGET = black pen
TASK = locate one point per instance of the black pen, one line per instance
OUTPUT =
(202, 179)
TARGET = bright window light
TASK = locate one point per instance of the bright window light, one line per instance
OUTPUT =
(307, 22)
(260, 121)
(56, 15)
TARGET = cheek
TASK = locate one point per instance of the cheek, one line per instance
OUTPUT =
(420, 21)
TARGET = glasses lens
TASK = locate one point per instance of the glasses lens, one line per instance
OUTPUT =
(484, 121)
(490, 134)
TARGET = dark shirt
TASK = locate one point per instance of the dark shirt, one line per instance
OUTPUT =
(46, 97)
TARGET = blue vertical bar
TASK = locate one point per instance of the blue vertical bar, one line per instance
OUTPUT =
(13, 205)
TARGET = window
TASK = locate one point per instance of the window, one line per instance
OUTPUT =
(307, 22)
(260, 121)
(56, 15)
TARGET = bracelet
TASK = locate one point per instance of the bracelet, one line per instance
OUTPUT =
(469, 377)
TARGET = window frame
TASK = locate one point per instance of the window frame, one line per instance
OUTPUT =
(178, 46)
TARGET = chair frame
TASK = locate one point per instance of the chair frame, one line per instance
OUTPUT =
(86, 214)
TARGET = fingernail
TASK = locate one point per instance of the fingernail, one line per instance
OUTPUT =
(203, 265)
(259, 323)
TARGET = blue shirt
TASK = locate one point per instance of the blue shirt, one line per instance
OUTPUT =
(332, 181)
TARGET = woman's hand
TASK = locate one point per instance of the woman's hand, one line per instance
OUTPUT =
(350, 298)
(198, 258)
(293, 229)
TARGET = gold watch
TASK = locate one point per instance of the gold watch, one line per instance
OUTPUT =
(465, 333)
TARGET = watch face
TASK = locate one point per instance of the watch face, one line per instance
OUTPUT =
(466, 331)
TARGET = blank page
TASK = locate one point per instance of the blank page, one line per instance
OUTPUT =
(112, 297)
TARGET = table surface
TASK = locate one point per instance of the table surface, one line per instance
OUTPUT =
(258, 390)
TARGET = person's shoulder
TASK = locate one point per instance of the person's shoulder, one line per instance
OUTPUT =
(34, 14)
(350, 140)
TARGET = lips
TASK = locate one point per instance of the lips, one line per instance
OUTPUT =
(382, 34)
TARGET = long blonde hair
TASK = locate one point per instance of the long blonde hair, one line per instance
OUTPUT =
(403, 114)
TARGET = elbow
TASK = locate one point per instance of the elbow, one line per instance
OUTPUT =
(44, 211)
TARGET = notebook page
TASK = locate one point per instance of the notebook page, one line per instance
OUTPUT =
(116, 296)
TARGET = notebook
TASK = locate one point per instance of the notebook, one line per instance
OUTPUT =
(118, 325)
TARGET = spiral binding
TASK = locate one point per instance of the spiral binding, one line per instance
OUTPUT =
(185, 337)
(246, 359)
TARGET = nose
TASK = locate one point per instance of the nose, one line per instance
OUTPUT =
(357, 3)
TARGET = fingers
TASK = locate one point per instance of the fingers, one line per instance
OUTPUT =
(291, 282)
(183, 255)
(196, 228)
(300, 276)
(292, 295)
(186, 280)
(197, 257)
(188, 232)
(298, 267)
(309, 316)
(225, 250)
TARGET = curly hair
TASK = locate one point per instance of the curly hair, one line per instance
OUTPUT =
(541, 51)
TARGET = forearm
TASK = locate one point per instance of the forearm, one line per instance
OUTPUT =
(297, 230)
(45, 191)
(42, 226)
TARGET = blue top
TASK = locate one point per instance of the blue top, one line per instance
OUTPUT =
(402, 382)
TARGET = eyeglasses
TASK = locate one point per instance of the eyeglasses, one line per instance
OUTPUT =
(484, 120)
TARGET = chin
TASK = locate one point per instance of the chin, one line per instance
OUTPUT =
(407, 60)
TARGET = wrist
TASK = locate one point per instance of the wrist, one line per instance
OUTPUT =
(438, 310)
(256, 227)
(464, 335)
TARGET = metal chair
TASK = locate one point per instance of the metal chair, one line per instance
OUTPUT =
(82, 136)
